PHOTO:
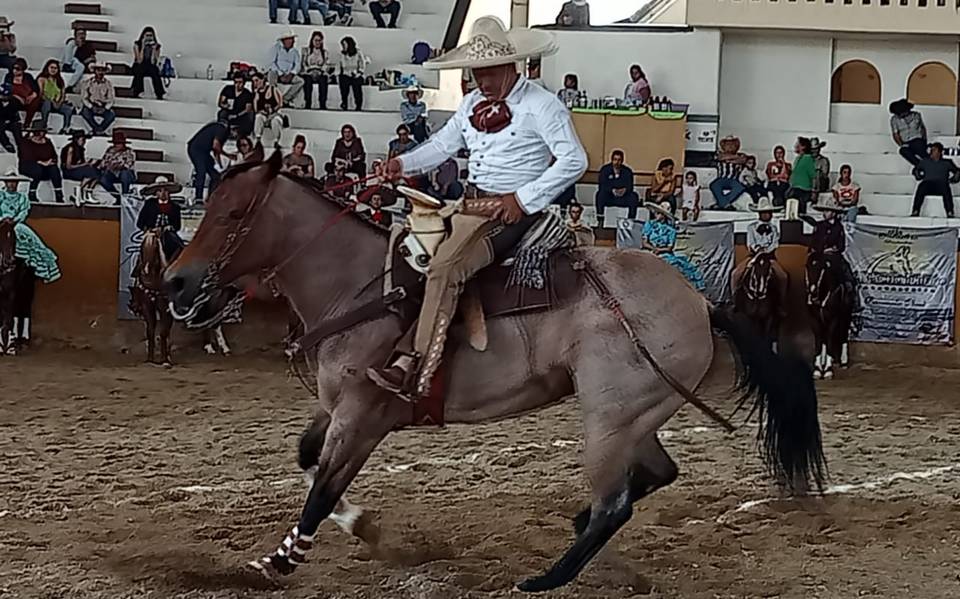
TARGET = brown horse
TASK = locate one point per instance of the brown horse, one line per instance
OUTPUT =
(831, 305)
(757, 297)
(259, 219)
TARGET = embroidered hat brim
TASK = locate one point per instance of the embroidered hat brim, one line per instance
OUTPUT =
(491, 45)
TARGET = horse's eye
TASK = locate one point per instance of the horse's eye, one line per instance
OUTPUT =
(236, 214)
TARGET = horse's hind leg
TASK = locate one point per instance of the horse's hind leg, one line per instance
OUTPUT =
(221, 340)
(150, 325)
(166, 326)
(654, 469)
(208, 347)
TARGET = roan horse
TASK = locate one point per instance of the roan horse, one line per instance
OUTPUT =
(757, 297)
(148, 300)
(831, 305)
(16, 289)
(324, 260)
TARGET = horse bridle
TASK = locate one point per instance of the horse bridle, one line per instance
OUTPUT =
(757, 290)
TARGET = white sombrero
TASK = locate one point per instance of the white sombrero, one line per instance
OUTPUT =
(286, 35)
(664, 208)
(491, 45)
(12, 175)
(413, 89)
(159, 183)
(765, 205)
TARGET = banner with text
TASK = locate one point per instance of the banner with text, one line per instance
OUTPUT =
(907, 280)
(708, 245)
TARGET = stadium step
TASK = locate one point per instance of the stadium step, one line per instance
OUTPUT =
(82, 8)
(103, 46)
(119, 68)
(149, 155)
(146, 178)
(136, 133)
(90, 25)
(128, 112)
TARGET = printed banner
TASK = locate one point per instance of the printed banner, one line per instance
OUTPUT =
(130, 240)
(708, 245)
(907, 279)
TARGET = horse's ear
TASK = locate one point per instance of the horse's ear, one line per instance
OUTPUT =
(257, 154)
(274, 164)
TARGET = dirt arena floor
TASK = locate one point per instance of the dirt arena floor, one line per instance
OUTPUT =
(121, 480)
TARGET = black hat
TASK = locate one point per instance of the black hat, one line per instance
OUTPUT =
(901, 106)
(76, 134)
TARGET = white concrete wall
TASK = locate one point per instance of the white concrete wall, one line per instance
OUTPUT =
(894, 60)
(682, 66)
(775, 82)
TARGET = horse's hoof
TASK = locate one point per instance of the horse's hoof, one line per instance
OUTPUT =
(817, 374)
(227, 353)
(828, 374)
(537, 585)
(168, 364)
(264, 567)
(209, 349)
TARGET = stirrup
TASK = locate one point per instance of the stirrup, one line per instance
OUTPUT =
(402, 389)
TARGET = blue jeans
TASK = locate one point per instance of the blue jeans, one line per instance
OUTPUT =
(105, 118)
(914, 151)
(294, 5)
(81, 173)
(65, 110)
(726, 191)
(203, 167)
(630, 201)
(125, 178)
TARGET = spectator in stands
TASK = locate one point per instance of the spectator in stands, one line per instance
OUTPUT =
(53, 96)
(344, 11)
(284, 67)
(98, 98)
(203, 149)
(299, 6)
(75, 166)
(935, 174)
(402, 144)
(803, 174)
(750, 179)
(909, 132)
(267, 103)
(245, 149)
(726, 187)
(534, 67)
(378, 8)
(413, 113)
(616, 187)
(38, 160)
(778, 176)
(303, 6)
(821, 182)
(445, 181)
(117, 165)
(9, 119)
(298, 163)
(663, 187)
(8, 44)
(349, 149)
(316, 70)
(690, 196)
(574, 13)
(582, 232)
(236, 105)
(571, 90)
(638, 91)
(352, 67)
(77, 56)
(847, 193)
(24, 89)
(336, 180)
(146, 63)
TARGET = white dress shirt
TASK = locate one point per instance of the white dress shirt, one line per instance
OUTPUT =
(518, 158)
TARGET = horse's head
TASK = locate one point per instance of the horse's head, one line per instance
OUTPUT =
(757, 284)
(821, 276)
(198, 282)
(8, 245)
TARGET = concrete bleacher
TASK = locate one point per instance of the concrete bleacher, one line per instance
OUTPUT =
(217, 32)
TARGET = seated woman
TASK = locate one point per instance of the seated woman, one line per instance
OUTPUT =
(160, 212)
(349, 148)
(38, 160)
(15, 206)
(24, 89)
(660, 237)
(53, 96)
(298, 163)
(637, 92)
(571, 90)
(847, 193)
(267, 104)
(75, 166)
(663, 188)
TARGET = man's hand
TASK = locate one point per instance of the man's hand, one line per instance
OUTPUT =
(391, 171)
(509, 211)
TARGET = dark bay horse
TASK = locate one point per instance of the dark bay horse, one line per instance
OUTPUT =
(16, 290)
(148, 300)
(757, 297)
(831, 305)
(325, 259)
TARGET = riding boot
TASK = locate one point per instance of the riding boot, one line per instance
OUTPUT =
(397, 375)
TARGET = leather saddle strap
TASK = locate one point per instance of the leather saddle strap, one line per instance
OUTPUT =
(368, 311)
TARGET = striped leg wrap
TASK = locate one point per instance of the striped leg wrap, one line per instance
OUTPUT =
(295, 546)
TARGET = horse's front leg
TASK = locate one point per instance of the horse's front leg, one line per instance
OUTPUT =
(221, 340)
(166, 325)
(149, 309)
(356, 427)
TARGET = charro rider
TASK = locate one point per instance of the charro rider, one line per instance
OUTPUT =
(524, 152)
(829, 239)
(162, 213)
(763, 239)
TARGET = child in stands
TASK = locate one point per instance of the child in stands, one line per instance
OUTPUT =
(690, 207)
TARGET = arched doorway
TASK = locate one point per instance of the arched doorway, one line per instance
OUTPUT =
(855, 82)
(933, 84)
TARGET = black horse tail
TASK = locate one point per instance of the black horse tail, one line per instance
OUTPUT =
(785, 399)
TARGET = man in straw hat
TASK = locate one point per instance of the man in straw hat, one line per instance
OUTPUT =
(284, 67)
(15, 206)
(524, 152)
(160, 212)
(413, 113)
(117, 166)
(8, 44)
(763, 239)
(98, 99)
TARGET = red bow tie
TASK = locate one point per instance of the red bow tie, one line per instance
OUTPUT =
(491, 116)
